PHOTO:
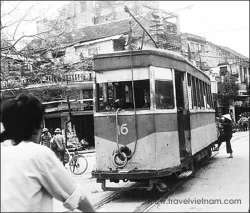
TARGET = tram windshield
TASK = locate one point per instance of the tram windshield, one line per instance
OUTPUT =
(113, 95)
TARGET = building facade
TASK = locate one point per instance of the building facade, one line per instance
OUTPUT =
(79, 14)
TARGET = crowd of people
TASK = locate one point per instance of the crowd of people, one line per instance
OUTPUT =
(56, 142)
(33, 175)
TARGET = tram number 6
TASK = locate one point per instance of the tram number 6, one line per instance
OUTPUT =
(124, 129)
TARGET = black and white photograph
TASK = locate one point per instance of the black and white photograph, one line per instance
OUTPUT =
(124, 106)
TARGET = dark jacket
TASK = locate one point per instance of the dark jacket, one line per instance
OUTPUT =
(227, 127)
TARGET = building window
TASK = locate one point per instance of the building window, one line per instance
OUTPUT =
(119, 44)
(93, 51)
(83, 6)
(244, 74)
(202, 48)
(223, 70)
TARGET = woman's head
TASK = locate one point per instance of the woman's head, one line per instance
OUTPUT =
(21, 117)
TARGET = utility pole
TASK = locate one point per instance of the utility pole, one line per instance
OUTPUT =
(68, 101)
(70, 114)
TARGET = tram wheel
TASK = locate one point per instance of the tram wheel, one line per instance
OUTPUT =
(161, 187)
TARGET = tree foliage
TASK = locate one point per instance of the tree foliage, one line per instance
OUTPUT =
(227, 90)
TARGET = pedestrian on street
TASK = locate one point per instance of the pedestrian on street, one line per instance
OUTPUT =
(33, 175)
(58, 144)
(46, 137)
(227, 134)
(244, 123)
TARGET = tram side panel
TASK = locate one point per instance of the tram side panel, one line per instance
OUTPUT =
(167, 141)
(203, 130)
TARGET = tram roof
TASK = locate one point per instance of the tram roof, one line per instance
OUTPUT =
(144, 58)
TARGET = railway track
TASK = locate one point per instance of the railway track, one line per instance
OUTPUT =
(140, 200)
(149, 204)
(112, 196)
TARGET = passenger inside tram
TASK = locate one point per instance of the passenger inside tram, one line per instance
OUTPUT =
(113, 95)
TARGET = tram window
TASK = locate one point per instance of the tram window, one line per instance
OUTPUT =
(115, 95)
(202, 93)
(142, 94)
(206, 95)
(210, 97)
(190, 95)
(189, 79)
(194, 90)
(198, 92)
(164, 94)
(209, 106)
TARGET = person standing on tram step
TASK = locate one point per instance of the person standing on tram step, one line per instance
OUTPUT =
(227, 129)
(58, 144)
(46, 138)
(33, 175)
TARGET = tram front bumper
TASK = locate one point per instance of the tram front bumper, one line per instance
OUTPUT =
(133, 175)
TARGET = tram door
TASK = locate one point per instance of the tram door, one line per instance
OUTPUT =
(183, 116)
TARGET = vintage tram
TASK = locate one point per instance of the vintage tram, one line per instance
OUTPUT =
(153, 116)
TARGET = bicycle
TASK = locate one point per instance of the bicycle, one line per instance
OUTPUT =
(78, 164)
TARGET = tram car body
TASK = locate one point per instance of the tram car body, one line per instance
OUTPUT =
(153, 115)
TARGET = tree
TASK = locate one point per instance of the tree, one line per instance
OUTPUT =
(227, 90)
(12, 43)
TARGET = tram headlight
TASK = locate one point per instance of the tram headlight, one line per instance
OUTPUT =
(120, 159)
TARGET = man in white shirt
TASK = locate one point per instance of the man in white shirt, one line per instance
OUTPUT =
(31, 174)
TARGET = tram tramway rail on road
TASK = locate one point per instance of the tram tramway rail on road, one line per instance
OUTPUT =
(153, 116)
(109, 198)
(140, 206)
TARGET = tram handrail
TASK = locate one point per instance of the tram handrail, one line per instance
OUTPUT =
(133, 94)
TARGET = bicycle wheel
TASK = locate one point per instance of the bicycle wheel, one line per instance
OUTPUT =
(78, 164)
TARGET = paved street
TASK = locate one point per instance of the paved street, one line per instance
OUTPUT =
(222, 178)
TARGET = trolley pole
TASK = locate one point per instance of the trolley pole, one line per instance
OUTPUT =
(128, 11)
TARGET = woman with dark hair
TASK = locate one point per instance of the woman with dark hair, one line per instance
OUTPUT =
(31, 174)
